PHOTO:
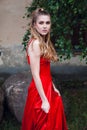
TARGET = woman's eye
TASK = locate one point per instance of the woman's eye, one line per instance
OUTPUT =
(44, 22)
(48, 22)
(41, 22)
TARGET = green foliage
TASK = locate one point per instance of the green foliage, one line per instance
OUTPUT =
(26, 38)
(69, 25)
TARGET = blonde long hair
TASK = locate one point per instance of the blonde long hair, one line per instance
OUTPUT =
(46, 47)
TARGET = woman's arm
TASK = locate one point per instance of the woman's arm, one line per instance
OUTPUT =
(56, 90)
(34, 54)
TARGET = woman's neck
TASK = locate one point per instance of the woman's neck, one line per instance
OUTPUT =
(44, 38)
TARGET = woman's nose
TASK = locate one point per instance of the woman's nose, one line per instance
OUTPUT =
(44, 25)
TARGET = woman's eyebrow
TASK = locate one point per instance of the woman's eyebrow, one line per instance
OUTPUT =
(45, 21)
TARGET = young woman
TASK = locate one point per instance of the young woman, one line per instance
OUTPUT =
(44, 109)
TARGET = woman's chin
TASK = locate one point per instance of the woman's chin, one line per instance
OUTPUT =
(44, 34)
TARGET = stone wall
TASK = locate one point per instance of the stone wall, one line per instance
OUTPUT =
(12, 29)
(12, 59)
(12, 23)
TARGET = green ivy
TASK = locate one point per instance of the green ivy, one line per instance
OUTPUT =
(68, 16)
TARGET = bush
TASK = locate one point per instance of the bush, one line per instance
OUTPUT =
(69, 25)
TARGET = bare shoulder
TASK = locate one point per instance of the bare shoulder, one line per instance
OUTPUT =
(35, 43)
(34, 47)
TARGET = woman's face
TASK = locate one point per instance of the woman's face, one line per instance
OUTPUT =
(43, 24)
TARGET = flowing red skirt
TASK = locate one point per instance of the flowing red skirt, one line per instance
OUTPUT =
(34, 117)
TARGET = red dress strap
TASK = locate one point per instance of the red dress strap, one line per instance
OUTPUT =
(30, 41)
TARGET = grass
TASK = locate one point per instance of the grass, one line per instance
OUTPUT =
(9, 125)
(76, 93)
(9, 122)
(77, 116)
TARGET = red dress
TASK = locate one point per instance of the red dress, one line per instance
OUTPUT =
(34, 117)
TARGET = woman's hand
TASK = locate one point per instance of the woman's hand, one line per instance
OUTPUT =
(45, 106)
